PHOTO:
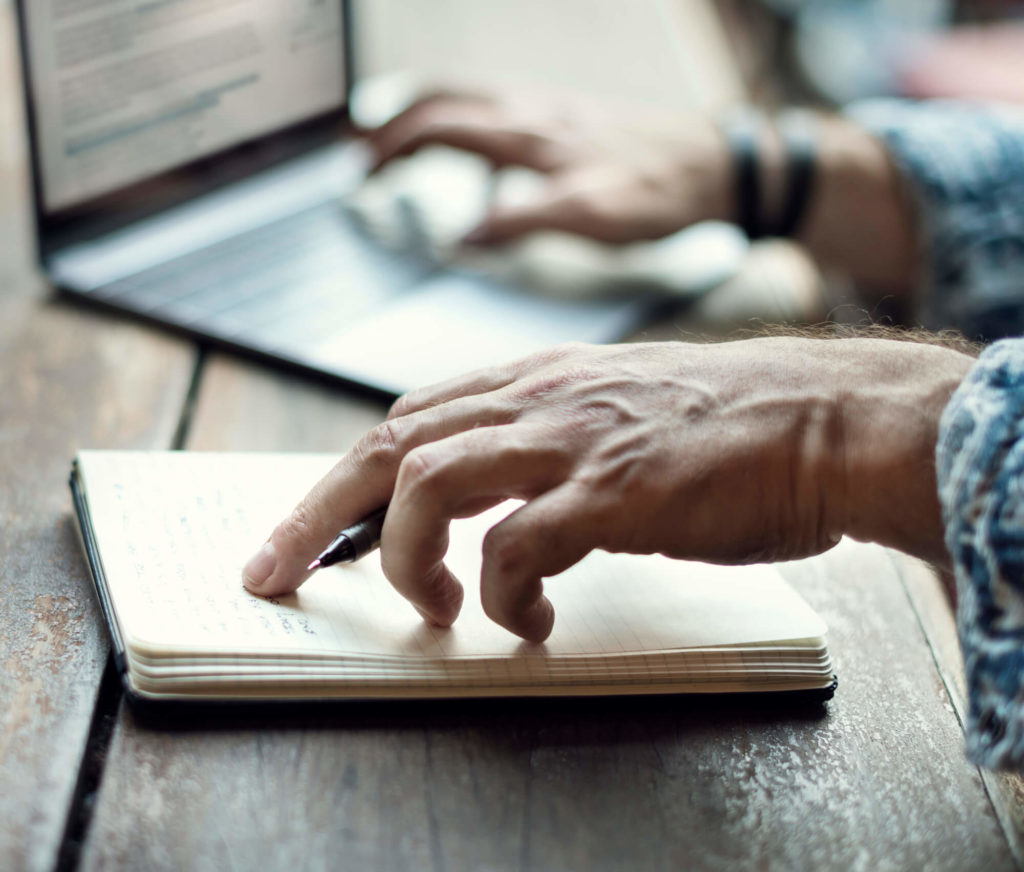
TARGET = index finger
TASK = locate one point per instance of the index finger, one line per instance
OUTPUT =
(361, 482)
(470, 123)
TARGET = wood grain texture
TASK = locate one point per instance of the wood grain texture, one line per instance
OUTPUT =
(246, 407)
(70, 380)
(67, 380)
(877, 780)
(931, 600)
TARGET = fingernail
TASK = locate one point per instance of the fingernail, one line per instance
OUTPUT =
(260, 566)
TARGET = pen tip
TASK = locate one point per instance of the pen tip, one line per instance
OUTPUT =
(314, 565)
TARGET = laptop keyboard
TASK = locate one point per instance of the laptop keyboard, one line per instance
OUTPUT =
(294, 280)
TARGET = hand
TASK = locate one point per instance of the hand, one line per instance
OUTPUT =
(749, 451)
(615, 176)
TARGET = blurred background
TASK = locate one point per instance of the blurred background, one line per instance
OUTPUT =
(821, 53)
(818, 53)
(834, 51)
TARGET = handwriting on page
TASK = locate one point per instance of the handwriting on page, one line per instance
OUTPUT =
(175, 529)
(176, 535)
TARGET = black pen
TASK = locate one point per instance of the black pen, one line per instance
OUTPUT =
(353, 542)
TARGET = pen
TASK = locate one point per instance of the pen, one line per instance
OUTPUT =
(353, 542)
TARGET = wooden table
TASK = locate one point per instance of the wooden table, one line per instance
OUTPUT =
(875, 780)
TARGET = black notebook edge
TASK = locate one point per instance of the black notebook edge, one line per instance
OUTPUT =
(144, 705)
(87, 539)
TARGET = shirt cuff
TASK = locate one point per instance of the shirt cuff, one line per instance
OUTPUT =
(980, 470)
(963, 166)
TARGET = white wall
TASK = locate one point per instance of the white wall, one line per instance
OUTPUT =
(666, 52)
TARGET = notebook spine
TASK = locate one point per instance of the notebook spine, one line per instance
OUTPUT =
(87, 537)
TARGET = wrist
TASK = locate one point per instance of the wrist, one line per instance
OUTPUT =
(860, 219)
(712, 174)
(772, 170)
(892, 398)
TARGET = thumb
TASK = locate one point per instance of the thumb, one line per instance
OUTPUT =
(338, 500)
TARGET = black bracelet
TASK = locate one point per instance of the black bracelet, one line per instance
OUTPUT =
(797, 130)
(743, 134)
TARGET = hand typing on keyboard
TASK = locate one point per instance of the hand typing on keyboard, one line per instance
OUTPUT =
(612, 173)
(558, 201)
(424, 206)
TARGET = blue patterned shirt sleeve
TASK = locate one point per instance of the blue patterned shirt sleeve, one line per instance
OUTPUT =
(980, 464)
(964, 167)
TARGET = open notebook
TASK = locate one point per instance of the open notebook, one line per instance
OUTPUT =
(166, 535)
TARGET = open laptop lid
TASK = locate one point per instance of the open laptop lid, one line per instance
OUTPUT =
(137, 107)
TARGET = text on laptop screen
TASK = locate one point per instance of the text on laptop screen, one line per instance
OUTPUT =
(126, 89)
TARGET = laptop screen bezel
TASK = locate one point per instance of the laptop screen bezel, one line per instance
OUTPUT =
(57, 229)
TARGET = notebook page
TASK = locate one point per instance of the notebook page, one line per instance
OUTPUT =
(174, 530)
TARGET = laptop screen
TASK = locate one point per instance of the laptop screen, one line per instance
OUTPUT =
(124, 90)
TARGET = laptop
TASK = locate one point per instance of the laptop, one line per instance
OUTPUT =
(192, 167)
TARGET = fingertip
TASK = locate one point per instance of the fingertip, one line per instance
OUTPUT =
(536, 623)
(278, 586)
(443, 622)
(538, 540)
(532, 621)
(439, 602)
(260, 567)
(266, 574)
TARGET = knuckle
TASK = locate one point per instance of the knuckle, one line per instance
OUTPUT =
(381, 447)
(436, 124)
(552, 368)
(297, 529)
(434, 95)
(583, 204)
(403, 406)
(545, 385)
(542, 359)
(427, 111)
(601, 216)
(511, 584)
(422, 469)
(506, 556)
(536, 145)
(567, 350)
